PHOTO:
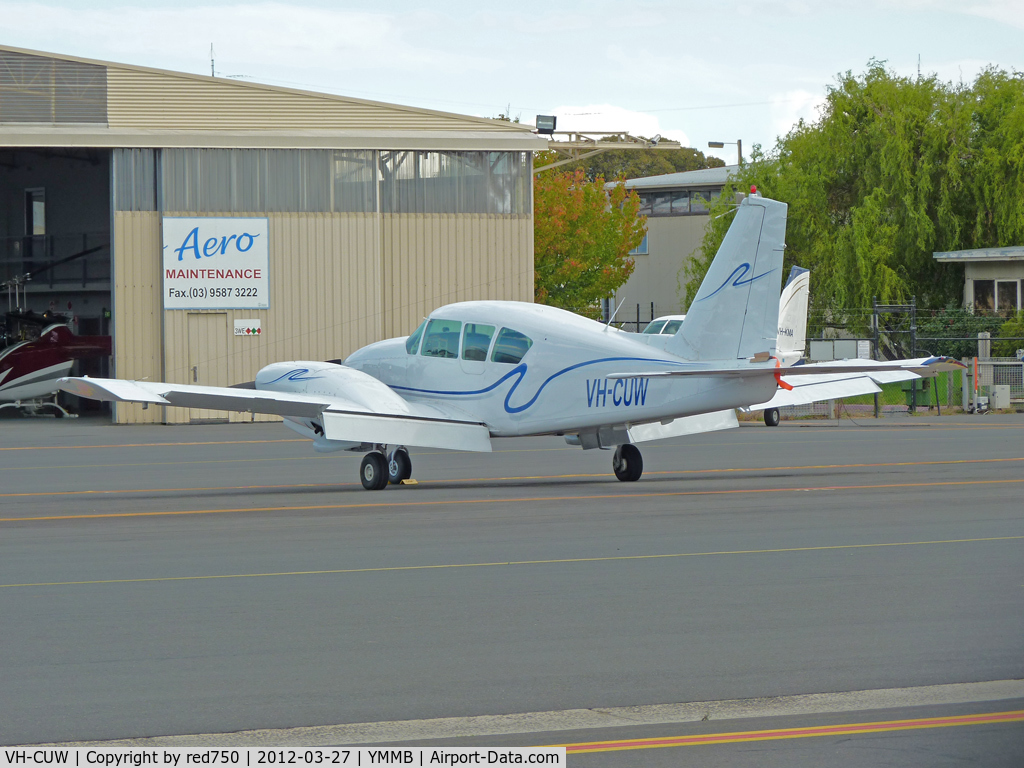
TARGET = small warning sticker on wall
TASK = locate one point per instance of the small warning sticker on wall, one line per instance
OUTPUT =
(248, 328)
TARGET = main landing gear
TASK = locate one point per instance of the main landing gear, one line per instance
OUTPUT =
(379, 469)
(771, 417)
(627, 463)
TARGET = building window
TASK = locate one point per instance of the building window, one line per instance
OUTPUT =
(1006, 296)
(676, 202)
(641, 250)
(35, 212)
(984, 295)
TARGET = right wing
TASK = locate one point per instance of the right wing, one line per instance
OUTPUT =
(374, 414)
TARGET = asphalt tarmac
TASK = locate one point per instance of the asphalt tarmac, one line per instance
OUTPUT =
(210, 579)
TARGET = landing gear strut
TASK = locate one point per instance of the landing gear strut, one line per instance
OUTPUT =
(771, 417)
(627, 463)
(373, 472)
(399, 466)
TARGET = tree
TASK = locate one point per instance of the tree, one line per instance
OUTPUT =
(895, 169)
(582, 240)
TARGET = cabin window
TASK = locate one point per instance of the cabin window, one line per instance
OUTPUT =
(655, 326)
(672, 326)
(510, 346)
(412, 344)
(476, 341)
(442, 338)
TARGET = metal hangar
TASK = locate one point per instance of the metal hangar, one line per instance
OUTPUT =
(213, 226)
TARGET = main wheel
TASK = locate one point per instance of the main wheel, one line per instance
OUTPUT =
(627, 463)
(374, 471)
(399, 467)
(771, 417)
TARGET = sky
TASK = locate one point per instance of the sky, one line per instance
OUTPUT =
(694, 72)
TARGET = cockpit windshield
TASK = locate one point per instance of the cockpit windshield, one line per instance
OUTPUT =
(412, 344)
(442, 338)
(672, 326)
(655, 326)
(510, 346)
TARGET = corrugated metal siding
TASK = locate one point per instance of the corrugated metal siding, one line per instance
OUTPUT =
(139, 99)
(324, 300)
(137, 306)
(39, 89)
(436, 259)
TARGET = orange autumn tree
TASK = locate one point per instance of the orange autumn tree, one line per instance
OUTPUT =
(582, 239)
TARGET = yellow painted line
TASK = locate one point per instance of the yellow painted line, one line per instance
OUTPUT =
(505, 500)
(560, 561)
(850, 729)
(716, 470)
(148, 445)
(173, 490)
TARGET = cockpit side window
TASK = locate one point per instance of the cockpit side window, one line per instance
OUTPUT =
(655, 327)
(412, 344)
(672, 326)
(442, 338)
(510, 346)
(476, 340)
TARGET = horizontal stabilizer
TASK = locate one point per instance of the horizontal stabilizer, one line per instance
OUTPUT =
(924, 367)
(406, 430)
(687, 425)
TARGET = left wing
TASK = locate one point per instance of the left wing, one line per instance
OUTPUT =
(373, 413)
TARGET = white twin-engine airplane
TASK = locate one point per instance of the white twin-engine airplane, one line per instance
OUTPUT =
(478, 370)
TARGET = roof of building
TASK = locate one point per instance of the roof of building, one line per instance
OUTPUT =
(1011, 253)
(49, 99)
(705, 177)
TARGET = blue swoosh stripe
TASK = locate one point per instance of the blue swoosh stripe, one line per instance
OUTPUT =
(521, 370)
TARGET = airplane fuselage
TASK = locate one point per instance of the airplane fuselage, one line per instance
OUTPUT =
(560, 382)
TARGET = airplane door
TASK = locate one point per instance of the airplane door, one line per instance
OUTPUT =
(476, 340)
(207, 357)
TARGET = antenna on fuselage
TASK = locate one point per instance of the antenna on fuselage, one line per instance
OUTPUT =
(613, 314)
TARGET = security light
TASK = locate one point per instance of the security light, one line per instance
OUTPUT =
(546, 124)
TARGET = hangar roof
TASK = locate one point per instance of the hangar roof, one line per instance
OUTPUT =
(1012, 253)
(49, 99)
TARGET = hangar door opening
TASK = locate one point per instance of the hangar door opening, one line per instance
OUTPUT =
(55, 264)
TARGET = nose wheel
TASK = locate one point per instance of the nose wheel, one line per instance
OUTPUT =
(627, 463)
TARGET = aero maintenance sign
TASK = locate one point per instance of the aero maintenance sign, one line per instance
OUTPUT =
(216, 263)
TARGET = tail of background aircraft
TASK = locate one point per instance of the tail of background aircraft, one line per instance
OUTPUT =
(735, 313)
(793, 316)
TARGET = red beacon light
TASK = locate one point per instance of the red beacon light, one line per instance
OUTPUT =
(753, 189)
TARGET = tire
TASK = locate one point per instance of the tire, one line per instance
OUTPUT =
(772, 417)
(373, 472)
(627, 463)
(400, 466)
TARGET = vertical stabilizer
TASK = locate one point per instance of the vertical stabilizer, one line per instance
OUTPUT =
(736, 310)
(793, 316)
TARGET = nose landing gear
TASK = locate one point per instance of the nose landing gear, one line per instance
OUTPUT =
(627, 463)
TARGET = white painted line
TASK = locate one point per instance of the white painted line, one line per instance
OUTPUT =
(577, 719)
